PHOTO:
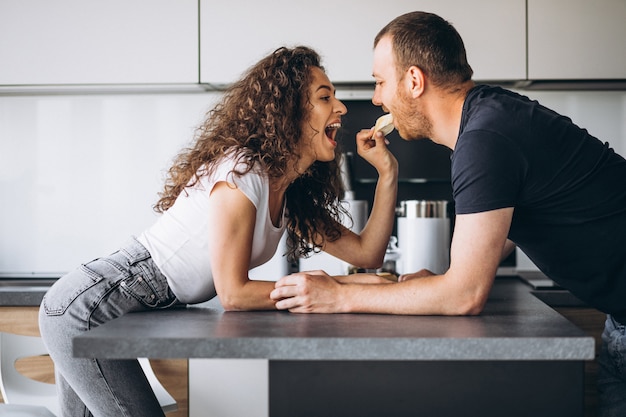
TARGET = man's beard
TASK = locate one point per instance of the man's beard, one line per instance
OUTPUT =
(414, 123)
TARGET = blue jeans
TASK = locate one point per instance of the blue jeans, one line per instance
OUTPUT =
(612, 370)
(99, 291)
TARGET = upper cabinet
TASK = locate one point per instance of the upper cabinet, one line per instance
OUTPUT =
(576, 39)
(235, 34)
(45, 42)
(91, 42)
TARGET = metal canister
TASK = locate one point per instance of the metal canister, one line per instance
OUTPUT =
(424, 236)
(424, 208)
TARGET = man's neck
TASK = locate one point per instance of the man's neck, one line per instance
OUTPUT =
(446, 112)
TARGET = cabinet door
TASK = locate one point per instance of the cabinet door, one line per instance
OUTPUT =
(98, 42)
(236, 33)
(576, 39)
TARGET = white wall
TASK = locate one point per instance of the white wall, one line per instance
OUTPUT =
(79, 173)
(602, 113)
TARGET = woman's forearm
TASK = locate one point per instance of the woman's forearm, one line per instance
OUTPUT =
(375, 234)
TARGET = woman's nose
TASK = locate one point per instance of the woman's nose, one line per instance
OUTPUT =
(341, 108)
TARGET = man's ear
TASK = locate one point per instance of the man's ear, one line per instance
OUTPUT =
(415, 81)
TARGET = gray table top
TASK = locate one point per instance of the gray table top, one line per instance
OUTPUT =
(23, 292)
(514, 325)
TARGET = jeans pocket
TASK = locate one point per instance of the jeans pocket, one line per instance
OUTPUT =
(64, 291)
(148, 291)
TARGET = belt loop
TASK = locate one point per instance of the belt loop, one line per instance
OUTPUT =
(135, 251)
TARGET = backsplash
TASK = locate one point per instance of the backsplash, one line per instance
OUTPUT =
(79, 173)
(602, 113)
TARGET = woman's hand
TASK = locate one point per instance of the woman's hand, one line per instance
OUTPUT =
(374, 150)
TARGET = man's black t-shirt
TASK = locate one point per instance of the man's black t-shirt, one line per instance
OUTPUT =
(567, 188)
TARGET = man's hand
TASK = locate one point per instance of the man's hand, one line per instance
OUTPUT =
(307, 292)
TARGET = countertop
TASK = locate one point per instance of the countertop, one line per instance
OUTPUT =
(515, 325)
(23, 291)
(28, 291)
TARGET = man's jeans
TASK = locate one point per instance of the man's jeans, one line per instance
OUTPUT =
(612, 372)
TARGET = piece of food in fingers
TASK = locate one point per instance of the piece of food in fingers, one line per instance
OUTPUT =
(384, 124)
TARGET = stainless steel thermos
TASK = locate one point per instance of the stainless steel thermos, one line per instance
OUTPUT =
(424, 236)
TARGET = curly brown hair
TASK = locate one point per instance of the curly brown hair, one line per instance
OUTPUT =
(261, 117)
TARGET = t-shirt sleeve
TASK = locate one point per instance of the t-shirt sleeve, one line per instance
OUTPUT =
(250, 183)
(487, 172)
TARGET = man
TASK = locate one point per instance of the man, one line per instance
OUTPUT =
(521, 175)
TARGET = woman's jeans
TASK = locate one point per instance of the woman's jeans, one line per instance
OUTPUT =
(612, 370)
(99, 291)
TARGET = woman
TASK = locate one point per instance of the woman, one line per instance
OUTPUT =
(264, 161)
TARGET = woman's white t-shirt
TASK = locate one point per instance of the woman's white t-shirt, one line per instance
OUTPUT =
(178, 241)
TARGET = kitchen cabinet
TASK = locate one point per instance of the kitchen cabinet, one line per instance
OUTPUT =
(576, 39)
(65, 42)
(237, 33)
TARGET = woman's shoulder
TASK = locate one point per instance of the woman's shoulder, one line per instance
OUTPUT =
(242, 163)
(239, 168)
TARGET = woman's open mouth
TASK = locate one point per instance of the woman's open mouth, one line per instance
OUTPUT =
(331, 132)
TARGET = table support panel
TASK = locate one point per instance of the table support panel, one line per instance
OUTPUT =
(429, 388)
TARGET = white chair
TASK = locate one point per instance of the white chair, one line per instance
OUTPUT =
(29, 397)
(12, 410)
(167, 402)
(22, 394)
